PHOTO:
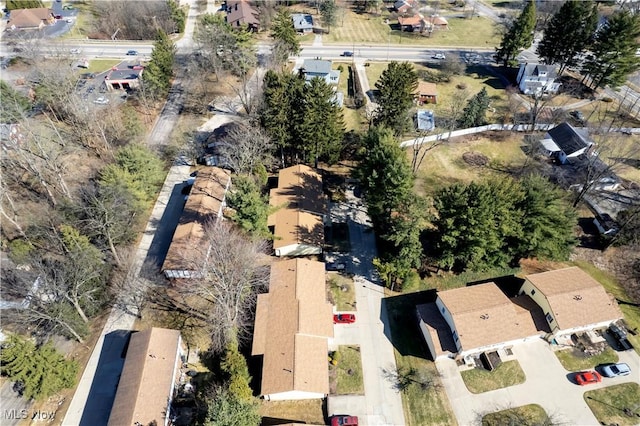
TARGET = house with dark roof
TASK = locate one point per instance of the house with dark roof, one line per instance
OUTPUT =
(242, 14)
(187, 254)
(292, 330)
(124, 76)
(320, 68)
(476, 319)
(537, 79)
(572, 301)
(302, 22)
(565, 142)
(300, 208)
(151, 372)
(30, 19)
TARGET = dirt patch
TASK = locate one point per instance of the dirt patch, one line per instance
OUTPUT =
(475, 159)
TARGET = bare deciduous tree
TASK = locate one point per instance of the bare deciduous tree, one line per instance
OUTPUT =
(245, 147)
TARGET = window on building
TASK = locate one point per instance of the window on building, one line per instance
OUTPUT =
(549, 318)
(442, 309)
(533, 291)
(455, 335)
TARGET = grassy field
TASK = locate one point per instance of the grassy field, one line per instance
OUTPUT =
(571, 362)
(100, 65)
(347, 374)
(353, 118)
(342, 291)
(422, 406)
(444, 165)
(631, 311)
(304, 411)
(506, 374)
(609, 404)
(383, 29)
(531, 414)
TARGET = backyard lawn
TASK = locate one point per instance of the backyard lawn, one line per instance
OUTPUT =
(531, 414)
(303, 411)
(619, 404)
(353, 118)
(507, 374)
(343, 294)
(573, 362)
(424, 400)
(346, 375)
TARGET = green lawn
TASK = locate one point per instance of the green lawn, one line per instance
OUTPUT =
(342, 291)
(619, 404)
(348, 371)
(421, 406)
(353, 118)
(531, 414)
(506, 374)
(630, 309)
(573, 362)
(100, 65)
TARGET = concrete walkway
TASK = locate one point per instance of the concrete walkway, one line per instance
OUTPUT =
(547, 384)
(120, 319)
(381, 403)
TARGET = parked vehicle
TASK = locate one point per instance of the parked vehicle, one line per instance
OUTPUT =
(344, 318)
(613, 370)
(335, 266)
(344, 420)
(101, 100)
(578, 115)
(588, 377)
(619, 335)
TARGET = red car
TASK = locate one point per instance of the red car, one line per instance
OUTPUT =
(588, 377)
(344, 319)
(344, 421)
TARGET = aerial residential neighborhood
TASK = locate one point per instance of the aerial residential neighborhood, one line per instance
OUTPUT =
(327, 212)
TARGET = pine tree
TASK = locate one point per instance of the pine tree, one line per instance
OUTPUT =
(251, 207)
(474, 113)
(519, 35)
(568, 33)
(614, 48)
(329, 13)
(396, 85)
(285, 35)
(157, 74)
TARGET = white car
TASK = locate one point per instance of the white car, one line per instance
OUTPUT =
(439, 56)
(101, 100)
(75, 51)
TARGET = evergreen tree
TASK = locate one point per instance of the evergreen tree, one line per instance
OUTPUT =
(396, 85)
(251, 207)
(285, 36)
(178, 14)
(613, 55)
(42, 371)
(224, 409)
(519, 35)
(568, 33)
(235, 366)
(14, 104)
(474, 114)
(157, 74)
(548, 221)
(320, 126)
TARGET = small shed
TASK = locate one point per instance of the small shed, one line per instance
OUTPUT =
(426, 93)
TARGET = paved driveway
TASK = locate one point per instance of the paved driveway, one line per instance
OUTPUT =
(547, 384)
(381, 404)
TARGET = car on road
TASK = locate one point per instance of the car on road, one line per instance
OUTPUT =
(613, 370)
(344, 420)
(69, 21)
(347, 53)
(132, 53)
(439, 56)
(75, 51)
(101, 100)
(588, 377)
(344, 318)
(335, 266)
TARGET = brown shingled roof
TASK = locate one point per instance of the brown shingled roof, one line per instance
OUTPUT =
(147, 378)
(426, 89)
(30, 18)
(293, 322)
(484, 316)
(575, 297)
(204, 204)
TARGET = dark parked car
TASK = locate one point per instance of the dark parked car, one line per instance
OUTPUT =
(613, 370)
(335, 266)
(344, 319)
(619, 335)
(132, 53)
(587, 377)
(578, 115)
(344, 421)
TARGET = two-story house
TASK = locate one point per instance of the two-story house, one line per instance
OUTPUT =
(537, 79)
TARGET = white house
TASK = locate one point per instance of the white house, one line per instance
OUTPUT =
(313, 68)
(478, 318)
(537, 79)
(298, 221)
(292, 330)
(572, 301)
(565, 142)
(302, 22)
